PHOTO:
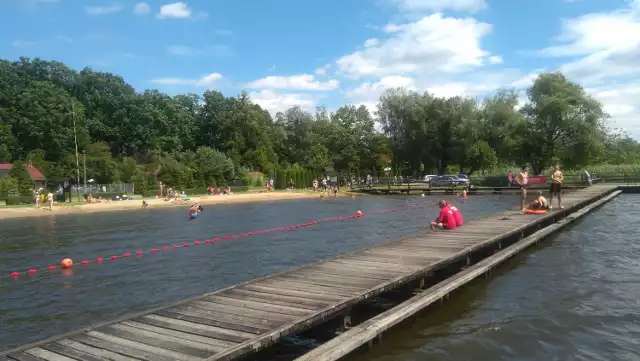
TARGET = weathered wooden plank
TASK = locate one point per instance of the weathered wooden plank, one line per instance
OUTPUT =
(154, 351)
(310, 287)
(99, 352)
(398, 260)
(206, 348)
(23, 356)
(231, 335)
(204, 341)
(354, 260)
(424, 255)
(320, 286)
(285, 310)
(279, 302)
(334, 280)
(346, 274)
(363, 268)
(225, 320)
(182, 352)
(292, 292)
(201, 319)
(120, 349)
(69, 352)
(342, 269)
(267, 296)
(265, 318)
(187, 327)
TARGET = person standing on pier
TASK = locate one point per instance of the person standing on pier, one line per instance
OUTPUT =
(556, 187)
(445, 220)
(523, 180)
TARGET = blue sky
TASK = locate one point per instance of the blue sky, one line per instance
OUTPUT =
(307, 53)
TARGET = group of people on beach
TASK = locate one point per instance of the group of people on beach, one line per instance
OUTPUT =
(41, 198)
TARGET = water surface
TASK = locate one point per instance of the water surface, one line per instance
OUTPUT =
(575, 297)
(32, 308)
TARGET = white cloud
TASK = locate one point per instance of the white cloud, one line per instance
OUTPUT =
(607, 45)
(441, 5)
(295, 82)
(433, 44)
(103, 10)
(177, 10)
(322, 70)
(495, 59)
(207, 81)
(369, 92)
(371, 42)
(142, 8)
(275, 102)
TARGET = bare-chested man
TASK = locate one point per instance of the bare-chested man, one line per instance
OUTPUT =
(556, 186)
(523, 180)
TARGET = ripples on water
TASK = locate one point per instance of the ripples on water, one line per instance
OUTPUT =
(576, 297)
(33, 308)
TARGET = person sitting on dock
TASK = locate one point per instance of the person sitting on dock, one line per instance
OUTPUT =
(445, 220)
(457, 215)
(540, 203)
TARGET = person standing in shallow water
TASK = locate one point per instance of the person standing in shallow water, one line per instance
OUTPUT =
(523, 180)
(556, 187)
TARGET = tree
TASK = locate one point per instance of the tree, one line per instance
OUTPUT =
(563, 123)
(22, 178)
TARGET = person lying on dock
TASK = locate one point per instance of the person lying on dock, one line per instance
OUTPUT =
(446, 219)
(540, 203)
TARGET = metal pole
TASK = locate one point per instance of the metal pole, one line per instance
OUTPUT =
(73, 112)
(84, 160)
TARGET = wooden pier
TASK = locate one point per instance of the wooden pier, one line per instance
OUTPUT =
(235, 321)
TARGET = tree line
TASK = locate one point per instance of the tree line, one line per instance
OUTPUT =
(193, 140)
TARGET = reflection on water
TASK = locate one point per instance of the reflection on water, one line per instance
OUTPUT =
(50, 303)
(576, 297)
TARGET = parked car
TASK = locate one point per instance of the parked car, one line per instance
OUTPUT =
(448, 180)
(428, 178)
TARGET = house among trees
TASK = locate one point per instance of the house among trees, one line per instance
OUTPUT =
(36, 176)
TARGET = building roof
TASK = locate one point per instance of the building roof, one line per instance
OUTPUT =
(34, 173)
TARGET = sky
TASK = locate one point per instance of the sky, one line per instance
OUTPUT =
(335, 52)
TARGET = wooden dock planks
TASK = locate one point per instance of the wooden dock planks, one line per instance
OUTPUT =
(247, 317)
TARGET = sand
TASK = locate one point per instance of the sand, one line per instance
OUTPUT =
(7, 213)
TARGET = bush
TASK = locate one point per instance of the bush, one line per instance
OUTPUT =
(13, 201)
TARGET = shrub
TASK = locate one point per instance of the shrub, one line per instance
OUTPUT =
(13, 201)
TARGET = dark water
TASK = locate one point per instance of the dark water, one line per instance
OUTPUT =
(575, 297)
(32, 308)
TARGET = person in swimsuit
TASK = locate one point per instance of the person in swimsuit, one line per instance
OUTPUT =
(540, 203)
(556, 187)
(523, 181)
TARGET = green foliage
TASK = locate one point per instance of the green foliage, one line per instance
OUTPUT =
(195, 140)
(8, 185)
(23, 181)
(14, 201)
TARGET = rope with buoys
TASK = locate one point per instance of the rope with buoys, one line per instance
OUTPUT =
(68, 263)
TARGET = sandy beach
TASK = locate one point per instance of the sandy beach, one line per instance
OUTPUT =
(7, 213)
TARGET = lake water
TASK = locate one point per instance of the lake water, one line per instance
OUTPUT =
(49, 303)
(576, 296)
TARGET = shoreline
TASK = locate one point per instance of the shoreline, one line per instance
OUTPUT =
(154, 203)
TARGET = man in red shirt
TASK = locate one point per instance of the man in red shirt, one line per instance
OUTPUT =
(456, 215)
(445, 220)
